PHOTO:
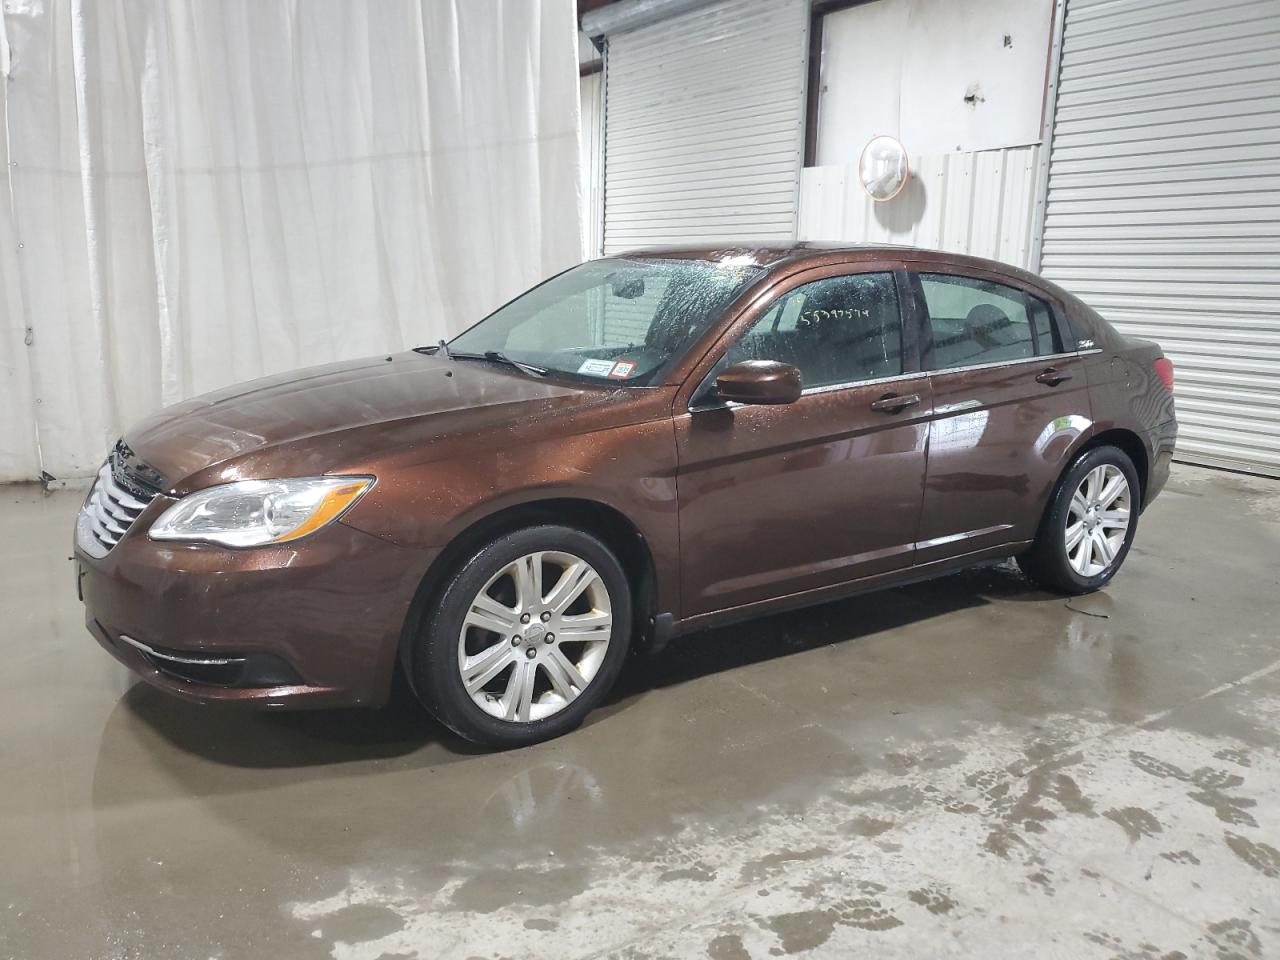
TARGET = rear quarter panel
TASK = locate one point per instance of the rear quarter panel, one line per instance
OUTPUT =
(1128, 394)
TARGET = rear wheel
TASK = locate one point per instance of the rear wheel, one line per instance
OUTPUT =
(526, 638)
(1089, 525)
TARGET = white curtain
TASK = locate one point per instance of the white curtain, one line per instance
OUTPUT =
(206, 191)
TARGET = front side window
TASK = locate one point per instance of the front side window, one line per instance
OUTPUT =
(618, 319)
(977, 321)
(836, 330)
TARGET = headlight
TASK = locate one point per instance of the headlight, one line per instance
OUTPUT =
(251, 513)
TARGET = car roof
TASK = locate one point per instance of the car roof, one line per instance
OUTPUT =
(804, 253)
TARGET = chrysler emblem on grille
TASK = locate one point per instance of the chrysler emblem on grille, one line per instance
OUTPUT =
(133, 473)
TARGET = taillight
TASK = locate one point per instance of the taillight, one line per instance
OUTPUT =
(1164, 370)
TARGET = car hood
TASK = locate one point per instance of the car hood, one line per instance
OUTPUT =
(316, 420)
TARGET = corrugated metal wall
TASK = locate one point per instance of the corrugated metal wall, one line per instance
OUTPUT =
(704, 125)
(976, 203)
(1163, 206)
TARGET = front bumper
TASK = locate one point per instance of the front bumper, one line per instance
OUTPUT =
(313, 623)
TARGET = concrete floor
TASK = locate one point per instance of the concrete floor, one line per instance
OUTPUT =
(960, 768)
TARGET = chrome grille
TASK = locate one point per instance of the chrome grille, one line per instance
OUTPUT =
(107, 514)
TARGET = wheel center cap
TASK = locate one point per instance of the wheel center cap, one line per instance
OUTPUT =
(533, 633)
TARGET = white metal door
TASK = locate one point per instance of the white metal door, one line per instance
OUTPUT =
(704, 125)
(1163, 205)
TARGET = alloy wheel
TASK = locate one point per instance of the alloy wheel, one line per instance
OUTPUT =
(1098, 520)
(535, 636)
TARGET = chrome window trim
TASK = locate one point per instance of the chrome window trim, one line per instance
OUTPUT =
(1066, 355)
(812, 391)
(849, 384)
(906, 377)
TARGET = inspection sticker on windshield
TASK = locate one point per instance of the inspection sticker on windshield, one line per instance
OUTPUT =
(597, 368)
(622, 369)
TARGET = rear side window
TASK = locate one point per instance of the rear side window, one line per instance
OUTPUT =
(837, 330)
(977, 321)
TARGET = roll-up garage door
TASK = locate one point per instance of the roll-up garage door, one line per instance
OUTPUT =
(704, 125)
(1163, 204)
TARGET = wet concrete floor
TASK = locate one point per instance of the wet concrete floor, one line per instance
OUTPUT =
(966, 767)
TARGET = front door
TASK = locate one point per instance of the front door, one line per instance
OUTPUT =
(1009, 402)
(778, 500)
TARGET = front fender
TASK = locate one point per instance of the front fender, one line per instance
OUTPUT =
(629, 469)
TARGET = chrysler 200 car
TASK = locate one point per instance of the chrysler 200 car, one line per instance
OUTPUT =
(639, 447)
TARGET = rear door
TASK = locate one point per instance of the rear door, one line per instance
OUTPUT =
(1009, 400)
(778, 500)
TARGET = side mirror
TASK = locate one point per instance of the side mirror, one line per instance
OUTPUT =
(759, 381)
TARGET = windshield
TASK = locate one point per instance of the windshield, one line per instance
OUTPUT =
(615, 320)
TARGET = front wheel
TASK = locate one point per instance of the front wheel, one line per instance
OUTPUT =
(1089, 525)
(526, 638)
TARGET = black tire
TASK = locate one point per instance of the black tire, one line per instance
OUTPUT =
(433, 657)
(1047, 563)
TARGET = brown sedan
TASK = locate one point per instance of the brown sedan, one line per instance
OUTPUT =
(637, 448)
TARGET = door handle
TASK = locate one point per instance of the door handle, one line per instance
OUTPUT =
(892, 402)
(1052, 377)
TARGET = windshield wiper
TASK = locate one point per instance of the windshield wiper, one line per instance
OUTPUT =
(497, 356)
